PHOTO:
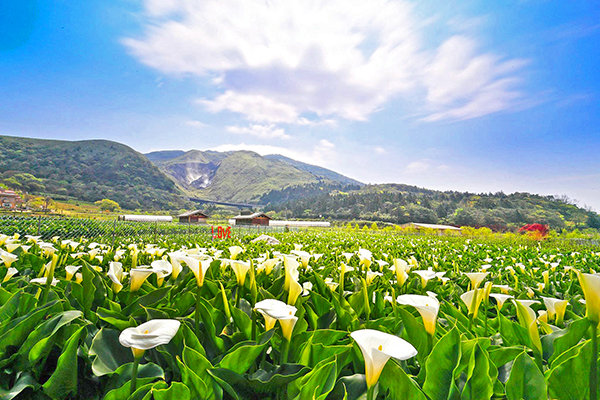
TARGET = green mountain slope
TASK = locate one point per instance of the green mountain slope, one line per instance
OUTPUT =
(164, 155)
(315, 170)
(239, 176)
(89, 170)
(398, 203)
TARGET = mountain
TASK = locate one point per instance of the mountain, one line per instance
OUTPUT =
(239, 176)
(164, 155)
(316, 170)
(398, 203)
(89, 170)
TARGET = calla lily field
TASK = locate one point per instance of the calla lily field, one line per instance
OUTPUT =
(324, 314)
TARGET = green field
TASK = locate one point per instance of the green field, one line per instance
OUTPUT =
(361, 315)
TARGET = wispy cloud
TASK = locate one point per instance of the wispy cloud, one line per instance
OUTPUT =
(259, 131)
(195, 124)
(301, 62)
(322, 153)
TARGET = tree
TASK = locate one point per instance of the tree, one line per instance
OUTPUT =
(108, 205)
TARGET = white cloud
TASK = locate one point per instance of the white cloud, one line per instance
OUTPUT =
(195, 124)
(260, 131)
(304, 62)
(417, 167)
(322, 154)
(379, 150)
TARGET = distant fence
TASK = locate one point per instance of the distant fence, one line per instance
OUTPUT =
(99, 228)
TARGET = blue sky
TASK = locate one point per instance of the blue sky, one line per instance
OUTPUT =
(463, 95)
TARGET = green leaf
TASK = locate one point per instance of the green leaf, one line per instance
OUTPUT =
(398, 383)
(479, 385)
(414, 333)
(11, 306)
(147, 373)
(570, 379)
(571, 336)
(440, 365)
(39, 343)
(23, 382)
(526, 381)
(241, 358)
(109, 352)
(318, 382)
(17, 334)
(199, 376)
(177, 391)
(63, 381)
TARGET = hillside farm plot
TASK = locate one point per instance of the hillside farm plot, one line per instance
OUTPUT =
(323, 314)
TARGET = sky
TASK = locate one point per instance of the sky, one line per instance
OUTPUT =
(480, 96)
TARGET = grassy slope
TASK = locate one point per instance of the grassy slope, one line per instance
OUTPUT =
(246, 176)
(315, 170)
(90, 170)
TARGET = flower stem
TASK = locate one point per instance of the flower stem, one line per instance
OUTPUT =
(136, 363)
(49, 279)
(197, 316)
(370, 393)
(253, 325)
(284, 352)
(594, 363)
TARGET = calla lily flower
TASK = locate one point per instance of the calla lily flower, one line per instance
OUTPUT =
(295, 291)
(138, 277)
(162, 269)
(400, 267)
(269, 265)
(71, 270)
(425, 275)
(556, 308)
(591, 291)
(43, 280)
(427, 306)
(291, 271)
(472, 300)
(7, 258)
(500, 298)
(365, 257)
(234, 251)
(149, 335)
(476, 278)
(12, 246)
(377, 348)
(371, 276)
(198, 267)
(281, 312)
(175, 258)
(116, 275)
(240, 268)
(306, 288)
(348, 256)
(304, 257)
(528, 320)
(10, 273)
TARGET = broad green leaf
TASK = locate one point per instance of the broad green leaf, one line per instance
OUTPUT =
(177, 391)
(569, 379)
(23, 382)
(63, 381)
(147, 373)
(526, 381)
(571, 336)
(398, 383)
(109, 352)
(479, 385)
(241, 358)
(440, 365)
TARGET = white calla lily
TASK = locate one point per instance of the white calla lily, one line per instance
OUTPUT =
(427, 306)
(149, 335)
(377, 348)
(138, 277)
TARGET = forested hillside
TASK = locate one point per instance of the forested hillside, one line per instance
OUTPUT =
(89, 170)
(399, 204)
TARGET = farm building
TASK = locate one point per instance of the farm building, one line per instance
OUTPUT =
(301, 224)
(9, 199)
(193, 217)
(440, 228)
(146, 218)
(247, 218)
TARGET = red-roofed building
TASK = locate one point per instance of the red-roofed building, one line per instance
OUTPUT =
(9, 199)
